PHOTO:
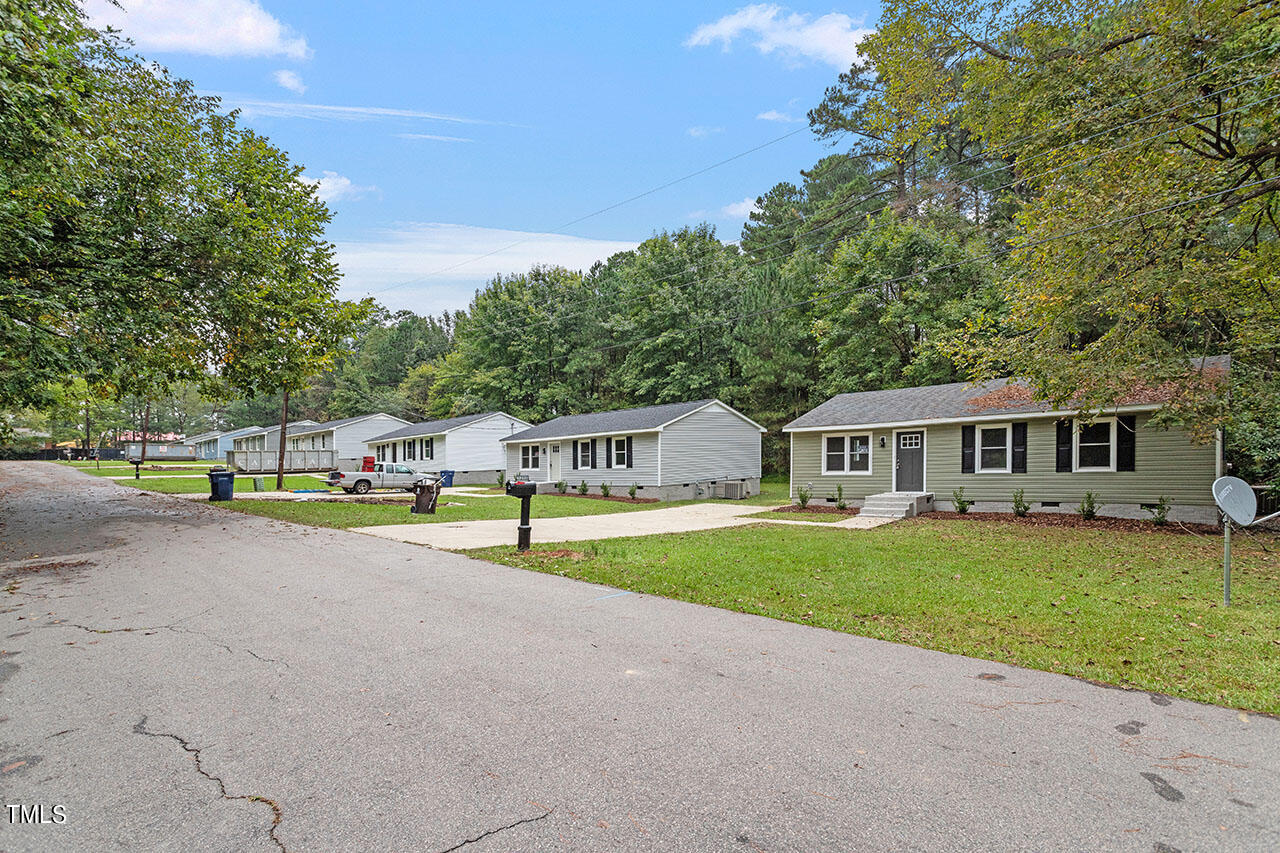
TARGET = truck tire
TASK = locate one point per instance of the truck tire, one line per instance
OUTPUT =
(362, 487)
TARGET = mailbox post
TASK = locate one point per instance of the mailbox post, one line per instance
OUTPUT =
(525, 492)
(137, 467)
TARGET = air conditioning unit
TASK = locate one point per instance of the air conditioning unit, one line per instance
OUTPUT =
(735, 491)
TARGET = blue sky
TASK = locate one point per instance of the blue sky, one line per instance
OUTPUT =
(441, 132)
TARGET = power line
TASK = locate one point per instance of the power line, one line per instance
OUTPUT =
(908, 277)
(515, 324)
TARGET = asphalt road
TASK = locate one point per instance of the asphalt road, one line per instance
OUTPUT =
(178, 677)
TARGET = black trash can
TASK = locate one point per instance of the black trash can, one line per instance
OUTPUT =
(222, 485)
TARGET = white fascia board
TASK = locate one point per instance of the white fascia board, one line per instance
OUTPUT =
(969, 419)
(516, 439)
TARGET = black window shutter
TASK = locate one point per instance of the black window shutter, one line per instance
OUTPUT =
(966, 449)
(608, 453)
(593, 453)
(575, 456)
(1126, 441)
(630, 461)
(1019, 461)
(1064, 446)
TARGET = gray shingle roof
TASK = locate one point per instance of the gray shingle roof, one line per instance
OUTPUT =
(306, 429)
(431, 427)
(956, 401)
(603, 423)
(275, 428)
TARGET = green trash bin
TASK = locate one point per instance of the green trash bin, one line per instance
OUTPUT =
(222, 485)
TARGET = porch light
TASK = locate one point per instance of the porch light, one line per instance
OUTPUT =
(882, 441)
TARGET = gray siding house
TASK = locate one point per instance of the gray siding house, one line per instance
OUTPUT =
(347, 436)
(904, 450)
(216, 443)
(672, 451)
(470, 446)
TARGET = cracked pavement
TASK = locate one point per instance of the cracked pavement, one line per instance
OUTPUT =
(181, 677)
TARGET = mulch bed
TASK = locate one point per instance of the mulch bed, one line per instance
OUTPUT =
(1072, 520)
(624, 499)
(821, 509)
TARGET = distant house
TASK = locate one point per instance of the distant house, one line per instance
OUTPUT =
(216, 443)
(672, 451)
(470, 446)
(265, 438)
(899, 451)
(348, 436)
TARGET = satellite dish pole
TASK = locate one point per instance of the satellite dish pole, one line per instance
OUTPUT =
(1238, 503)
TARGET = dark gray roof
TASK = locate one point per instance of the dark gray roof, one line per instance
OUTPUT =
(274, 428)
(956, 401)
(603, 423)
(431, 427)
(304, 429)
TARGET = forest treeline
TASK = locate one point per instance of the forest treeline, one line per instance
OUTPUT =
(1080, 194)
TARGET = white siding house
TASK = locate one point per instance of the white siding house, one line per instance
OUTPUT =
(215, 444)
(672, 451)
(265, 438)
(347, 436)
(470, 446)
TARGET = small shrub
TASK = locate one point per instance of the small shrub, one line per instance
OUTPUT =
(1160, 512)
(632, 490)
(1020, 505)
(582, 487)
(562, 487)
(1089, 506)
(502, 479)
(962, 505)
(605, 488)
(803, 494)
(840, 502)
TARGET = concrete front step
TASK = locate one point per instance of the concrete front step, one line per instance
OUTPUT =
(896, 504)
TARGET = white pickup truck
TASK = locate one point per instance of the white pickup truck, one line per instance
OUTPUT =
(385, 475)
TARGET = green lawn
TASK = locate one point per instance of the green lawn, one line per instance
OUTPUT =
(1141, 610)
(127, 470)
(825, 517)
(344, 514)
(193, 485)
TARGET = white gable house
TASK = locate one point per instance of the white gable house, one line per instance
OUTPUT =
(469, 445)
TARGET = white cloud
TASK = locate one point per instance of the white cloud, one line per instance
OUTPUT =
(434, 137)
(331, 186)
(432, 266)
(832, 38)
(329, 112)
(702, 132)
(220, 28)
(774, 115)
(290, 80)
(739, 209)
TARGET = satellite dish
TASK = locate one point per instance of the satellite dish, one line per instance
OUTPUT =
(1235, 498)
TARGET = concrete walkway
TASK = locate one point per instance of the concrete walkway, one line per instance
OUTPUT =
(577, 528)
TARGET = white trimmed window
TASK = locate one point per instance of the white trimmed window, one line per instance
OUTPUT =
(846, 454)
(995, 449)
(620, 452)
(1095, 448)
(584, 454)
(382, 453)
(529, 458)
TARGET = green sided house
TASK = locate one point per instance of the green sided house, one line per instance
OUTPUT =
(902, 451)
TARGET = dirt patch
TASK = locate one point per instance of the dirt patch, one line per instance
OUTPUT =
(562, 554)
(622, 499)
(174, 468)
(1072, 520)
(32, 568)
(819, 509)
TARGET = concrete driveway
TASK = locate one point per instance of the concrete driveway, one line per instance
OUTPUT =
(457, 536)
(180, 677)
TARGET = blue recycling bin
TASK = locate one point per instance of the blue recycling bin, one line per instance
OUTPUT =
(446, 479)
(222, 485)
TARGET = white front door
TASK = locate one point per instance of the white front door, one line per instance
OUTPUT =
(553, 464)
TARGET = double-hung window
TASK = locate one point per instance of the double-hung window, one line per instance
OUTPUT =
(1096, 445)
(529, 460)
(846, 454)
(620, 452)
(994, 449)
(584, 454)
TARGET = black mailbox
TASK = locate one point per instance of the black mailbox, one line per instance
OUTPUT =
(525, 492)
(137, 467)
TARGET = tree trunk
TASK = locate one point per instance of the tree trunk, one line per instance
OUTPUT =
(284, 419)
(146, 427)
(88, 435)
